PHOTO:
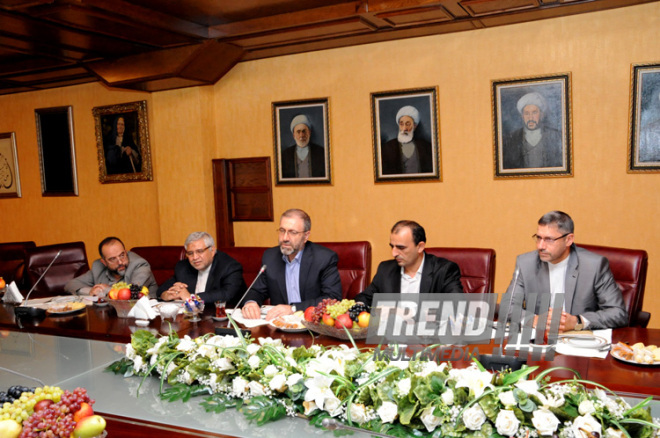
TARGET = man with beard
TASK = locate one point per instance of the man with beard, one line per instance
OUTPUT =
(412, 270)
(115, 265)
(407, 153)
(592, 299)
(535, 144)
(303, 159)
(206, 272)
(298, 273)
(122, 155)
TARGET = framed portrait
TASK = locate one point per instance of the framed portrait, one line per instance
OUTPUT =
(57, 152)
(644, 145)
(122, 142)
(532, 132)
(405, 135)
(301, 137)
(10, 181)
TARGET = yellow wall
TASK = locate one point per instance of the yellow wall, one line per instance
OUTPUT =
(469, 208)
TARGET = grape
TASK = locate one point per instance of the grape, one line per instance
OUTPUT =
(21, 408)
(56, 420)
(334, 310)
(320, 309)
(355, 311)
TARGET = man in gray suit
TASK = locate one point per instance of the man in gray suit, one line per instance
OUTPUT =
(592, 299)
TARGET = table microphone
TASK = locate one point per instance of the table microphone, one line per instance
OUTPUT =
(34, 312)
(261, 271)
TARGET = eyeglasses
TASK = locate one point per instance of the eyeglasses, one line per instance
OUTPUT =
(292, 233)
(548, 240)
(122, 256)
(198, 252)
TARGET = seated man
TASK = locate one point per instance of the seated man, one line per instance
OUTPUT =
(206, 272)
(412, 270)
(592, 298)
(298, 273)
(115, 265)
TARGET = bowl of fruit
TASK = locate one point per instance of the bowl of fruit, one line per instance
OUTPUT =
(63, 414)
(123, 296)
(330, 317)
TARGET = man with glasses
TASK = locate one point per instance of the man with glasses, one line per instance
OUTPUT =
(592, 299)
(298, 273)
(206, 272)
(115, 265)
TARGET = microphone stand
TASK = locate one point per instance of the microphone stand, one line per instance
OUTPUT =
(34, 312)
(261, 271)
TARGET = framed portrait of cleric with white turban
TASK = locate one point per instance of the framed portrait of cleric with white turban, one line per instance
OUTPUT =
(302, 142)
(122, 142)
(532, 132)
(644, 145)
(405, 135)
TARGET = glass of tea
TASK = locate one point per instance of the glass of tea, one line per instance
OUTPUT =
(220, 311)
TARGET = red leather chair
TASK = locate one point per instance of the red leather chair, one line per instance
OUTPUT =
(70, 264)
(354, 265)
(162, 259)
(477, 266)
(249, 257)
(12, 261)
(629, 268)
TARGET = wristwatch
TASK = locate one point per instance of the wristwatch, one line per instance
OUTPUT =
(293, 308)
(579, 325)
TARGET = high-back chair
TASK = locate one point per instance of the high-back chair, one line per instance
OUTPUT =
(162, 259)
(12, 261)
(629, 268)
(354, 265)
(477, 266)
(70, 264)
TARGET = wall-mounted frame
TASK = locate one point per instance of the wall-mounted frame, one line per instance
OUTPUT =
(644, 144)
(122, 142)
(301, 137)
(57, 152)
(405, 135)
(10, 180)
(532, 132)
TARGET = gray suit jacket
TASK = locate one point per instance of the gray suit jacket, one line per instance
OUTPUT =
(590, 288)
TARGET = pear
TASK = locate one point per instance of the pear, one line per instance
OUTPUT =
(10, 429)
(89, 427)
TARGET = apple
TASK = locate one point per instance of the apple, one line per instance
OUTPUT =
(84, 412)
(10, 429)
(124, 294)
(43, 404)
(89, 427)
(3, 283)
(344, 320)
(309, 313)
(113, 294)
(328, 320)
(363, 319)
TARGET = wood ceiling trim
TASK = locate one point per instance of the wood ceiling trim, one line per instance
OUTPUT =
(480, 8)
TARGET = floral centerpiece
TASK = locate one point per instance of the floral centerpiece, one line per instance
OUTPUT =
(266, 381)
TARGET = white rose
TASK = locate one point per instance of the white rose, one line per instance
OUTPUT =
(448, 397)
(130, 351)
(613, 433)
(586, 424)
(545, 422)
(270, 371)
(474, 417)
(358, 413)
(403, 386)
(507, 423)
(254, 362)
(586, 407)
(137, 363)
(507, 398)
(291, 361)
(310, 406)
(387, 412)
(430, 420)
(252, 349)
(239, 385)
(293, 379)
(529, 386)
(222, 364)
(256, 388)
(278, 383)
(332, 406)
(370, 367)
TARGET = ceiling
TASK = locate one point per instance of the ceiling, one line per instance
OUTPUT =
(155, 45)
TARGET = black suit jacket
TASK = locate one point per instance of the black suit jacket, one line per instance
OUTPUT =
(225, 281)
(438, 276)
(317, 157)
(319, 277)
(392, 156)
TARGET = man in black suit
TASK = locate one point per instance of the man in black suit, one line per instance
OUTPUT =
(206, 272)
(412, 270)
(299, 273)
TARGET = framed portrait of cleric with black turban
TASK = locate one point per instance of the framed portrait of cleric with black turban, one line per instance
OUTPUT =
(532, 132)
(302, 142)
(405, 135)
(644, 144)
(122, 142)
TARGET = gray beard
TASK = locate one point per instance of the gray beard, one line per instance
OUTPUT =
(405, 137)
(302, 144)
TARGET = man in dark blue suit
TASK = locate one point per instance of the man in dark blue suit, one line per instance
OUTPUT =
(206, 272)
(298, 273)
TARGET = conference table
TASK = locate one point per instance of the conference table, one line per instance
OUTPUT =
(74, 350)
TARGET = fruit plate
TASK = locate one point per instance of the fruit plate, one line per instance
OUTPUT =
(322, 329)
(288, 323)
(619, 357)
(62, 309)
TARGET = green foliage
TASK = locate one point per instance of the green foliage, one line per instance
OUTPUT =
(183, 392)
(262, 410)
(218, 403)
(120, 367)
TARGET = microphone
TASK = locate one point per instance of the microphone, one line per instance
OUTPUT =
(261, 271)
(23, 309)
